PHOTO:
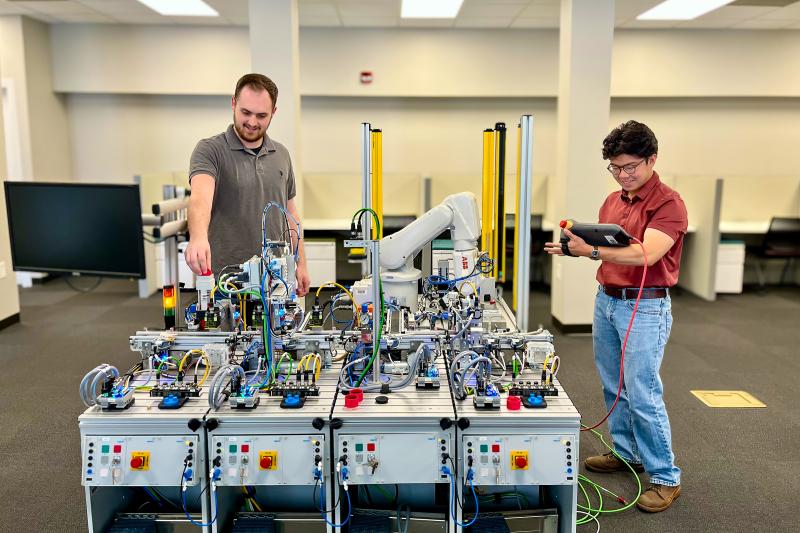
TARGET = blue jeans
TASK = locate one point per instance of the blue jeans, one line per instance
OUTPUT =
(639, 424)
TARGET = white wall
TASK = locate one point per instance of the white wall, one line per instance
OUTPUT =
(40, 114)
(420, 62)
(115, 137)
(9, 302)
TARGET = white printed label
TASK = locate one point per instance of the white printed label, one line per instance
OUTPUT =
(610, 239)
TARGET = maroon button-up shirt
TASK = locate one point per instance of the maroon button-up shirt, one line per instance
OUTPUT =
(655, 206)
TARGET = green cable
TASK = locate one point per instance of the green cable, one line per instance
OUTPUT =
(374, 218)
(593, 513)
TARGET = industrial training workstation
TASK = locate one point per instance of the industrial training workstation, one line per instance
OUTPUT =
(316, 265)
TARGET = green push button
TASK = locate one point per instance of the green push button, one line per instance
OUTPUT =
(359, 447)
(105, 448)
(232, 448)
(484, 448)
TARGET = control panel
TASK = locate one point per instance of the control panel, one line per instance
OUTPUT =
(393, 457)
(268, 459)
(134, 460)
(538, 459)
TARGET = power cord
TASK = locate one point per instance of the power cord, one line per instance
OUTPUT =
(625, 342)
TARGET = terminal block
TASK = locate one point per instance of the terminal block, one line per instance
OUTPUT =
(528, 388)
(295, 392)
(116, 399)
(247, 398)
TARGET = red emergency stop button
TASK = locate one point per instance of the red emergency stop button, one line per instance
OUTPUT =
(266, 462)
(520, 461)
(137, 462)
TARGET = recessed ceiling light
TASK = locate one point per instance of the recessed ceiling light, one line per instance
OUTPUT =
(430, 9)
(181, 8)
(682, 9)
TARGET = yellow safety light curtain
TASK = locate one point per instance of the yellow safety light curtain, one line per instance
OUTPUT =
(516, 220)
(487, 192)
(500, 202)
(377, 180)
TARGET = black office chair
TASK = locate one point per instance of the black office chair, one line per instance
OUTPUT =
(782, 241)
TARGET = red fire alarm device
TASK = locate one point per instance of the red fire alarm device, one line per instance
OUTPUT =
(366, 77)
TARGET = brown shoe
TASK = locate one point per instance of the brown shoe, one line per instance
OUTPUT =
(609, 463)
(658, 498)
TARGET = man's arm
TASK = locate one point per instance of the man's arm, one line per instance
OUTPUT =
(656, 243)
(198, 253)
(303, 280)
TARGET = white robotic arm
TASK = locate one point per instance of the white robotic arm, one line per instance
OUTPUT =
(457, 211)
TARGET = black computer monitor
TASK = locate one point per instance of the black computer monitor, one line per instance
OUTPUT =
(80, 228)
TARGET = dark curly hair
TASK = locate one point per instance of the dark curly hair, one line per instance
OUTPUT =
(632, 138)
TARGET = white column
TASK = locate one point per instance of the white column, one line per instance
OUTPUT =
(586, 37)
(275, 52)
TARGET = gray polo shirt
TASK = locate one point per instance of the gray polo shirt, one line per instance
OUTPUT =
(245, 182)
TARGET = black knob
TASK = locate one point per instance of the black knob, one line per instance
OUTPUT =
(195, 424)
(463, 423)
(445, 423)
(318, 423)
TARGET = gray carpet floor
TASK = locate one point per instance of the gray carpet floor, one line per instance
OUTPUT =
(740, 473)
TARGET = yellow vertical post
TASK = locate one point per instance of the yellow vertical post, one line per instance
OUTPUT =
(487, 192)
(377, 180)
(516, 220)
(500, 201)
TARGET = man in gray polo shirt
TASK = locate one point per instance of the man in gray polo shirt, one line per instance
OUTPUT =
(233, 176)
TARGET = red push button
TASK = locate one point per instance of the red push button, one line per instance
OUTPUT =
(370, 446)
(520, 461)
(118, 448)
(245, 448)
(495, 448)
(266, 462)
(137, 462)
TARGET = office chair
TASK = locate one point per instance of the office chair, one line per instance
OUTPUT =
(782, 241)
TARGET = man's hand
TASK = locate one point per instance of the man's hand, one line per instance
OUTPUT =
(577, 246)
(198, 256)
(303, 279)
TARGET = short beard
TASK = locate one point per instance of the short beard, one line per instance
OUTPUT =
(243, 133)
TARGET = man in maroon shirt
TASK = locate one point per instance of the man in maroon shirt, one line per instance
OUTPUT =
(656, 215)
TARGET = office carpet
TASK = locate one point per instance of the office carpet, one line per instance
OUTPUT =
(739, 468)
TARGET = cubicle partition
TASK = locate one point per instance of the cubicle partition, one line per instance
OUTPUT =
(703, 197)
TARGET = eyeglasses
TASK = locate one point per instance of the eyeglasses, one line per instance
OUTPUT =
(629, 169)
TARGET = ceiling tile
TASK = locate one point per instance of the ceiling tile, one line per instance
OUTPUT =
(200, 21)
(88, 18)
(483, 22)
(791, 12)
(233, 10)
(650, 24)
(320, 9)
(8, 8)
(371, 22)
(704, 23)
(630, 9)
(55, 8)
(427, 23)
(368, 9)
(490, 10)
(111, 7)
(763, 24)
(540, 11)
(320, 22)
(737, 12)
(527, 22)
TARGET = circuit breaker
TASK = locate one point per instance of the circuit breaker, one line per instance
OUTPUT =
(538, 459)
(268, 459)
(133, 460)
(394, 457)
